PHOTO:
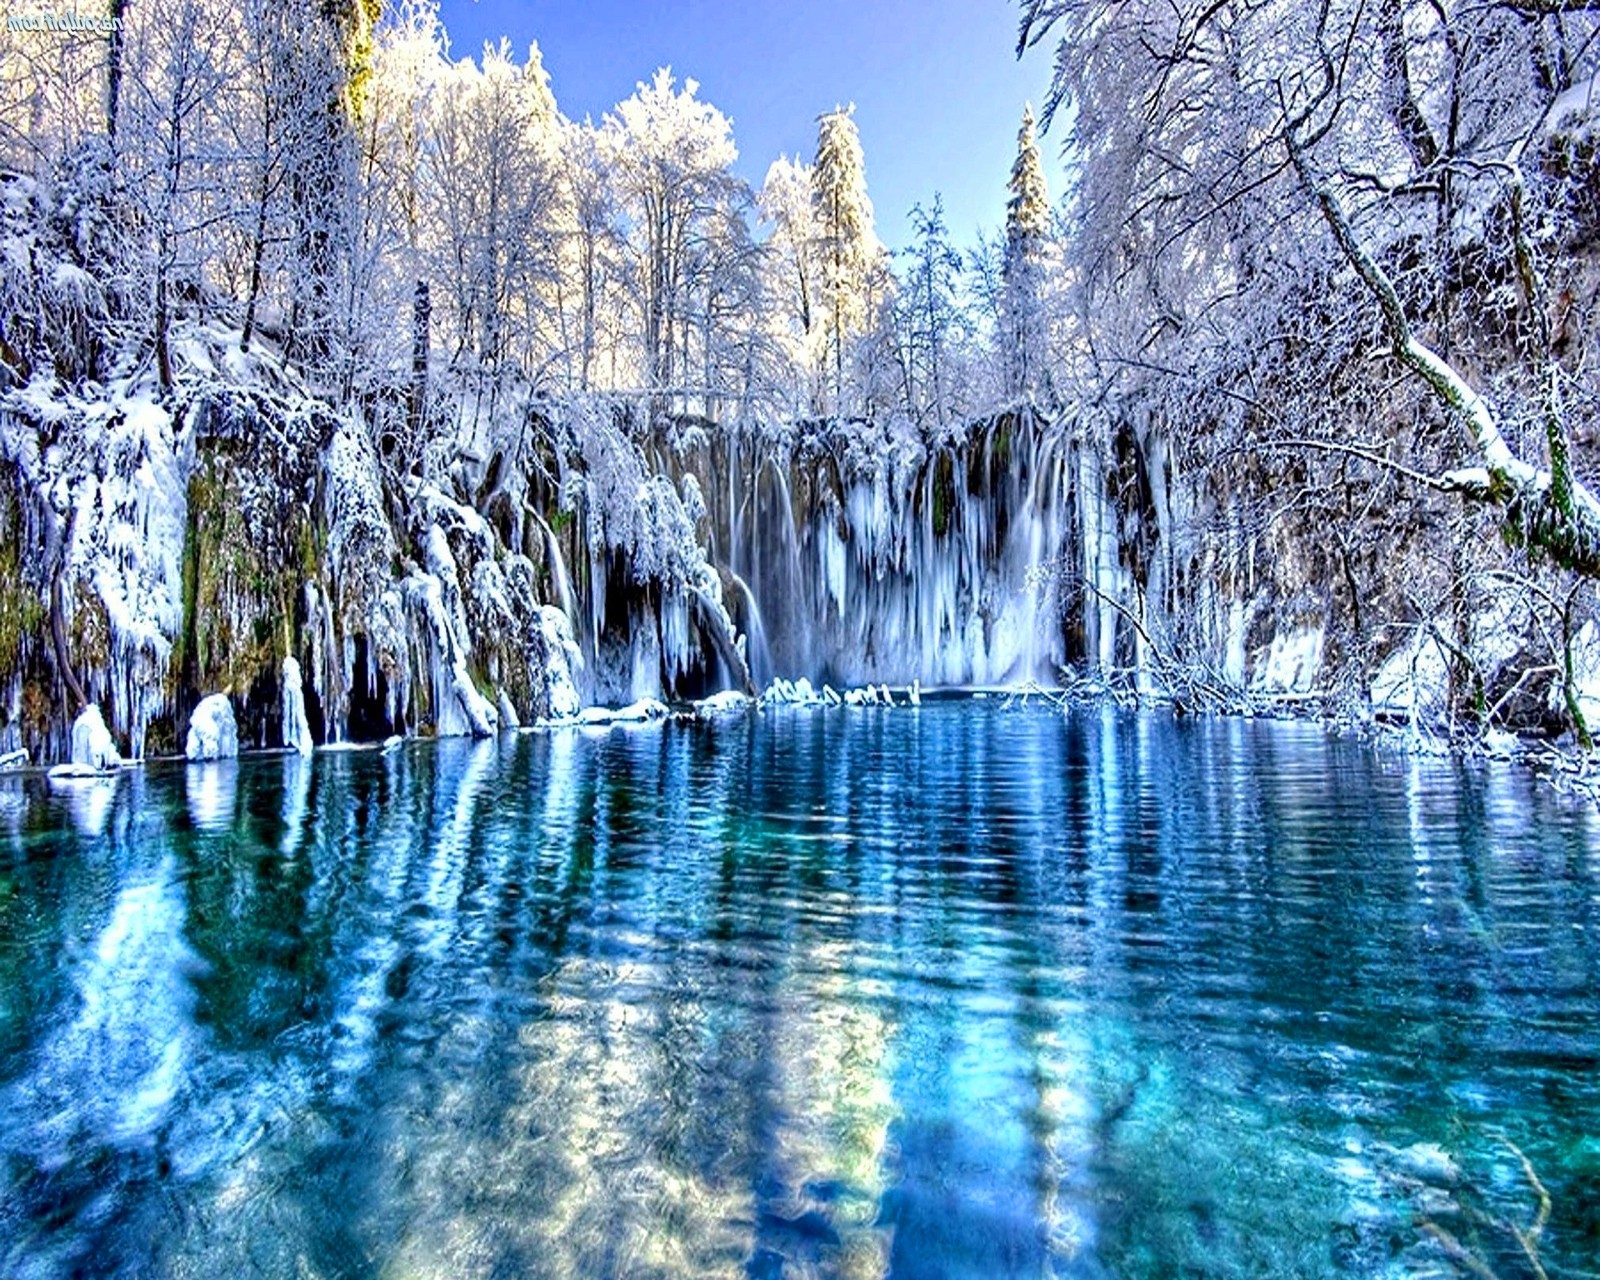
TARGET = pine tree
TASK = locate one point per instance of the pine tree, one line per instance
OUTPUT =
(848, 249)
(1028, 210)
(1026, 249)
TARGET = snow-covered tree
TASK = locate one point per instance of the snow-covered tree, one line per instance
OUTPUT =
(1024, 266)
(848, 250)
(490, 193)
(1413, 154)
(787, 205)
(671, 156)
(589, 255)
(933, 323)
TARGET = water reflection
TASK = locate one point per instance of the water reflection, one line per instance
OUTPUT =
(212, 790)
(88, 801)
(970, 992)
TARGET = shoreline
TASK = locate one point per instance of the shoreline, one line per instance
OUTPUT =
(1567, 769)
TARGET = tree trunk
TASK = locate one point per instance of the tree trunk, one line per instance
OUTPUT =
(421, 316)
(256, 251)
(114, 47)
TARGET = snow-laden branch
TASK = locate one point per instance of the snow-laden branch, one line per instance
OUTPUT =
(1556, 514)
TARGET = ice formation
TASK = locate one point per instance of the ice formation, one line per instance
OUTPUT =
(92, 744)
(213, 731)
(296, 727)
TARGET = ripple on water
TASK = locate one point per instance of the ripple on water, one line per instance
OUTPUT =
(974, 992)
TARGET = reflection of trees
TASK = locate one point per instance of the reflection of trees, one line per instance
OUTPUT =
(964, 992)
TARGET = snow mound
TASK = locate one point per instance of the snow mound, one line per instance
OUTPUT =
(640, 712)
(727, 703)
(213, 732)
(1414, 681)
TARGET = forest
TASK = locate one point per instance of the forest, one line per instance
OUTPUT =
(329, 354)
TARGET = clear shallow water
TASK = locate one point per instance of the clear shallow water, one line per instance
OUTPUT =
(959, 992)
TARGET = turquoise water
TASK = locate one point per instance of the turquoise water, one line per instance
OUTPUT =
(965, 991)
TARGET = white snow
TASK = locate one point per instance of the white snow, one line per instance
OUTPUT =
(1292, 662)
(93, 747)
(640, 712)
(786, 693)
(213, 732)
(1414, 680)
(728, 702)
(1585, 676)
(459, 707)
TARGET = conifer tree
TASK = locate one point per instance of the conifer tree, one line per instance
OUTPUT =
(848, 248)
(1023, 270)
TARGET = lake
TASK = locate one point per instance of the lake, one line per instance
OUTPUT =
(974, 990)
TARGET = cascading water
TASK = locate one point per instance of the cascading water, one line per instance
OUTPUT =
(861, 556)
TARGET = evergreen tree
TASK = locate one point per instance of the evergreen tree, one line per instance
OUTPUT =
(1023, 270)
(848, 249)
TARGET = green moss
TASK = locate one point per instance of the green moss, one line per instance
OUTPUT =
(1002, 443)
(944, 492)
(239, 584)
(22, 609)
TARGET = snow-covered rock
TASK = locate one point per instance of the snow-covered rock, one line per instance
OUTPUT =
(1501, 745)
(562, 658)
(728, 702)
(1292, 662)
(17, 759)
(296, 728)
(213, 732)
(797, 693)
(93, 747)
(640, 712)
(459, 707)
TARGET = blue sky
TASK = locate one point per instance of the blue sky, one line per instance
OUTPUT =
(937, 89)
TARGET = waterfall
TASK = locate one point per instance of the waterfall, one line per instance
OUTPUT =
(558, 571)
(759, 656)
